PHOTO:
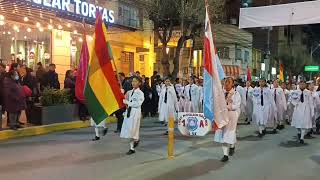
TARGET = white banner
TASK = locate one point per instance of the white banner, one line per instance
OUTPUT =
(280, 15)
(193, 124)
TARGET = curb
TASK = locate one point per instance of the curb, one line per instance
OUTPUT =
(46, 129)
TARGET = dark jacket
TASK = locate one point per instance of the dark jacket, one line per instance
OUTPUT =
(51, 80)
(31, 82)
(70, 84)
(40, 76)
(14, 98)
(127, 84)
(2, 75)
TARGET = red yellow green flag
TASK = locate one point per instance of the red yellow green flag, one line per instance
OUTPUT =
(102, 91)
(281, 73)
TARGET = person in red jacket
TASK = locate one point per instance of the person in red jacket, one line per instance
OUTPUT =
(14, 98)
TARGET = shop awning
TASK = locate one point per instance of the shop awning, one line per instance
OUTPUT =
(232, 70)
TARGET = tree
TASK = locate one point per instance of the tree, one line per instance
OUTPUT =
(164, 15)
(187, 14)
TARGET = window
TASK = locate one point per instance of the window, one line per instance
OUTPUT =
(129, 15)
(141, 58)
(223, 52)
(246, 56)
(127, 56)
(238, 54)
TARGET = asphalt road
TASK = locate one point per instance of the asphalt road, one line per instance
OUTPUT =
(71, 155)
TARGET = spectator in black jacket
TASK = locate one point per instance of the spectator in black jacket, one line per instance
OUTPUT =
(51, 78)
(40, 74)
(2, 75)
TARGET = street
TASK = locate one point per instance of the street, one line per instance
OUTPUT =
(71, 155)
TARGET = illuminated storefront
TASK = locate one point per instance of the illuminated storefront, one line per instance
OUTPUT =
(51, 31)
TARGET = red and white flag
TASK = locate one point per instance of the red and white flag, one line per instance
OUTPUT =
(215, 106)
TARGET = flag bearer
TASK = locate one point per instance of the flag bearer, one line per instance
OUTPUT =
(168, 102)
(279, 98)
(262, 102)
(303, 110)
(192, 96)
(227, 134)
(246, 102)
(131, 125)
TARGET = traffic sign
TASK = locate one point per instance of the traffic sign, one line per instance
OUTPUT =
(312, 68)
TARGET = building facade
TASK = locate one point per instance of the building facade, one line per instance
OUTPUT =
(52, 32)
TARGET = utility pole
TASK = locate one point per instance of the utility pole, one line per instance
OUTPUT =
(312, 51)
(180, 75)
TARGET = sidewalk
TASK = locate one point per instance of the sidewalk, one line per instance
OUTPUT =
(45, 129)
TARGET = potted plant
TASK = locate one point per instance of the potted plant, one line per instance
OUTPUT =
(56, 106)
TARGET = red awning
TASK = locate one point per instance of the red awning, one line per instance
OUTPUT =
(231, 70)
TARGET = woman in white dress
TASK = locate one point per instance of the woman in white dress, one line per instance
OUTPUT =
(182, 100)
(303, 110)
(262, 104)
(227, 134)
(192, 97)
(168, 102)
(131, 124)
(316, 105)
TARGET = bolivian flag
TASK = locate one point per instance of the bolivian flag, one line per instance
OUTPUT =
(102, 90)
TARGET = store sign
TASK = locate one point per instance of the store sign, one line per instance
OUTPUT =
(77, 7)
(193, 124)
(312, 68)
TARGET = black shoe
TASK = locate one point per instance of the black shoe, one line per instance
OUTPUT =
(225, 159)
(301, 141)
(231, 151)
(131, 152)
(279, 127)
(275, 131)
(165, 124)
(282, 127)
(264, 132)
(166, 133)
(105, 131)
(117, 131)
(96, 138)
(135, 144)
(260, 135)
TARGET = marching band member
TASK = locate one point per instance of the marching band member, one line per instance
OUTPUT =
(262, 102)
(227, 134)
(303, 110)
(131, 125)
(192, 97)
(168, 102)
(280, 105)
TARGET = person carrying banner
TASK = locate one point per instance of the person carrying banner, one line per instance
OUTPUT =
(227, 134)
